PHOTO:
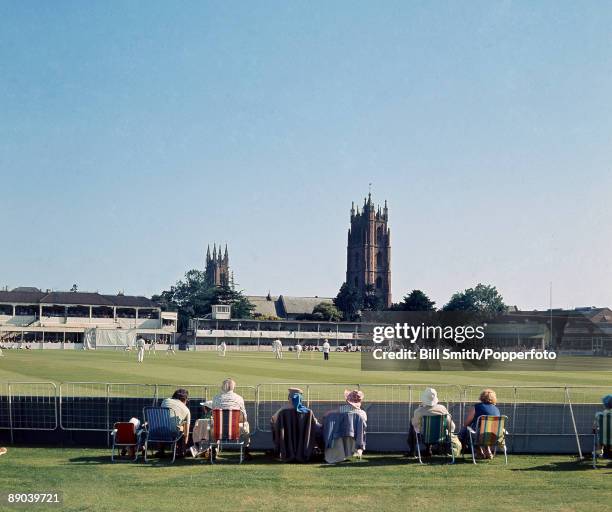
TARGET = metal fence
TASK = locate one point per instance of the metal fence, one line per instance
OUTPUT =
(28, 406)
(390, 406)
(96, 406)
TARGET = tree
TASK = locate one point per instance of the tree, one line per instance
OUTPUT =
(416, 300)
(326, 311)
(371, 301)
(193, 297)
(225, 294)
(348, 301)
(74, 288)
(483, 299)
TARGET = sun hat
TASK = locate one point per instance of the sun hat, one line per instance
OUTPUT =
(354, 397)
(429, 397)
(208, 404)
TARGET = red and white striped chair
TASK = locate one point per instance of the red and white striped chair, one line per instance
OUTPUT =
(226, 430)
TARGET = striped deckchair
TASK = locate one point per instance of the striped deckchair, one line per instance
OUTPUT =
(161, 427)
(434, 430)
(602, 433)
(490, 431)
(226, 430)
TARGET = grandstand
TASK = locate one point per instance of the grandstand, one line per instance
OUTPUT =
(33, 318)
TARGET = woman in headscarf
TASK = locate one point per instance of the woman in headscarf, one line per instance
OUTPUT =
(295, 399)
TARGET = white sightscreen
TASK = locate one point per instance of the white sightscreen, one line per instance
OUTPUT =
(115, 338)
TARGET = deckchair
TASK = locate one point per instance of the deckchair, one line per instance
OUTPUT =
(490, 432)
(434, 430)
(226, 430)
(125, 435)
(161, 426)
(602, 433)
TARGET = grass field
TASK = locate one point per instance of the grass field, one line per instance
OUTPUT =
(379, 482)
(90, 482)
(251, 368)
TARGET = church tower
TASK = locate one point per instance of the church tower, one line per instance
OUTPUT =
(217, 267)
(368, 258)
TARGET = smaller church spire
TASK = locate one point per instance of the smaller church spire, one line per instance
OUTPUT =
(214, 256)
(226, 255)
(207, 253)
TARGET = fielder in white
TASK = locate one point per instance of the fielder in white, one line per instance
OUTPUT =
(221, 348)
(298, 350)
(277, 348)
(140, 345)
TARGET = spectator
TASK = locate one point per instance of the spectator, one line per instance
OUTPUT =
(178, 403)
(486, 407)
(228, 399)
(604, 451)
(296, 436)
(201, 431)
(430, 406)
(294, 401)
(345, 437)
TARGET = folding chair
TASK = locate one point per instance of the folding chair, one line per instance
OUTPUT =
(602, 434)
(125, 436)
(490, 432)
(201, 436)
(161, 427)
(226, 430)
(434, 430)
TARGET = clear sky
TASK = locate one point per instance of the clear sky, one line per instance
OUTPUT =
(134, 133)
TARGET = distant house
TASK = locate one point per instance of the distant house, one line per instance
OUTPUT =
(285, 307)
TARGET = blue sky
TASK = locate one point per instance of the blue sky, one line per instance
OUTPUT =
(134, 133)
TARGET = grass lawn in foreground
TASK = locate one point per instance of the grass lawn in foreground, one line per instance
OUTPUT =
(89, 481)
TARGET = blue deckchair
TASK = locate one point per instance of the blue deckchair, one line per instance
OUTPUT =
(161, 426)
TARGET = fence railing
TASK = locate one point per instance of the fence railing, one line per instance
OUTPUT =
(96, 406)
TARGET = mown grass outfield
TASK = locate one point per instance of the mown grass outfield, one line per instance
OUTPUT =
(251, 368)
(380, 482)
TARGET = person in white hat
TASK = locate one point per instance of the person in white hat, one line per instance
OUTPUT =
(430, 406)
(201, 429)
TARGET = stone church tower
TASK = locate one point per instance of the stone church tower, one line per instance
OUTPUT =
(217, 267)
(368, 258)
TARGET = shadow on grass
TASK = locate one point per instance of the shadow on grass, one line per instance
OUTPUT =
(265, 460)
(396, 460)
(569, 465)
